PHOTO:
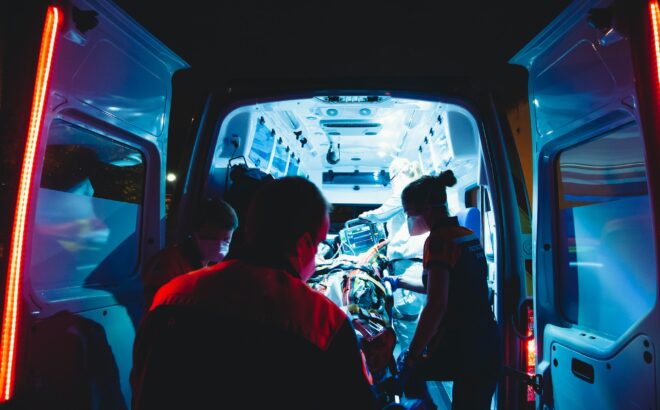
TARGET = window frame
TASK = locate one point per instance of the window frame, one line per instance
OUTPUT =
(148, 230)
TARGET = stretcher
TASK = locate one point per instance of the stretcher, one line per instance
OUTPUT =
(352, 278)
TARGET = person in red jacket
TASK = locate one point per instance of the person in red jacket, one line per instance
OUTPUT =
(249, 332)
(214, 226)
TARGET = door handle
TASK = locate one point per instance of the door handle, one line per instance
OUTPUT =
(583, 370)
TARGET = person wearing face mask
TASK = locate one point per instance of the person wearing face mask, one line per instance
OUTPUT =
(268, 339)
(457, 337)
(403, 250)
(208, 244)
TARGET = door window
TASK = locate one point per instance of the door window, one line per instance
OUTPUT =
(88, 211)
(607, 277)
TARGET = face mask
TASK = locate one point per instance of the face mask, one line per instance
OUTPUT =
(417, 225)
(212, 250)
(224, 250)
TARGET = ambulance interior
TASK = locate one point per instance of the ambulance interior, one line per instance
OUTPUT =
(345, 144)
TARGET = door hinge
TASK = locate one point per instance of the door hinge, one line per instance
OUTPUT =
(533, 380)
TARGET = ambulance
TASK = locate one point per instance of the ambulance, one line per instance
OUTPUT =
(97, 178)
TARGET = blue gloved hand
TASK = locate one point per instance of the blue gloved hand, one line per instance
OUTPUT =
(393, 281)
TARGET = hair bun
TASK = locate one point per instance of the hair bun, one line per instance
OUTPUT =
(447, 178)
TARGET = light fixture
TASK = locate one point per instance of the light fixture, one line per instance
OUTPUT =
(331, 112)
(365, 111)
(171, 177)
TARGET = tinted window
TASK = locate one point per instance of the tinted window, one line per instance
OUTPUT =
(262, 145)
(607, 267)
(279, 160)
(88, 211)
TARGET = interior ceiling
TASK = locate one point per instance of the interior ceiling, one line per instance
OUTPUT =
(370, 135)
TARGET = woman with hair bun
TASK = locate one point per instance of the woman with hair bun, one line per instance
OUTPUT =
(456, 338)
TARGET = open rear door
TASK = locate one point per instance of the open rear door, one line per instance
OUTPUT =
(88, 201)
(593, 91)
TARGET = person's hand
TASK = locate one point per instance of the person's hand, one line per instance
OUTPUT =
(393, 281)
(364, 216)
(404, 365)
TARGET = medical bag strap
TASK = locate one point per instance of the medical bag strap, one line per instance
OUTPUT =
(347, 285)
(346, 288)
(357, 273)
(365, 276)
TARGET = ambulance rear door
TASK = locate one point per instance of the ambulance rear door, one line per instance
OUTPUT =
(86, 102)
(593, 92)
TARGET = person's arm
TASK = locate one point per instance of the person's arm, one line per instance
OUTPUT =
(385, 212)
(413, 284)
(434, 310)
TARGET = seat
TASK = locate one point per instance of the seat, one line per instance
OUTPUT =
(470, 218)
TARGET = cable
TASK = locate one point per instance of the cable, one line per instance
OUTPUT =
(229, 167)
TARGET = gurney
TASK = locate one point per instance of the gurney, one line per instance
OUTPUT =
(352, 278)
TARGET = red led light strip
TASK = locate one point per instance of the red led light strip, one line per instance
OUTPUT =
(655, 24)
(12, 293)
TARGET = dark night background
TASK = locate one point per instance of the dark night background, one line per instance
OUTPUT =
(320, 38)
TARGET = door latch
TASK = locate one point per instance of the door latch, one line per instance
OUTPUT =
(533, 380)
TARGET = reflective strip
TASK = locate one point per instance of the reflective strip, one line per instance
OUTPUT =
(466, 238)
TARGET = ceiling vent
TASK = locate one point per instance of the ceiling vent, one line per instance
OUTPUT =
(350, 127)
